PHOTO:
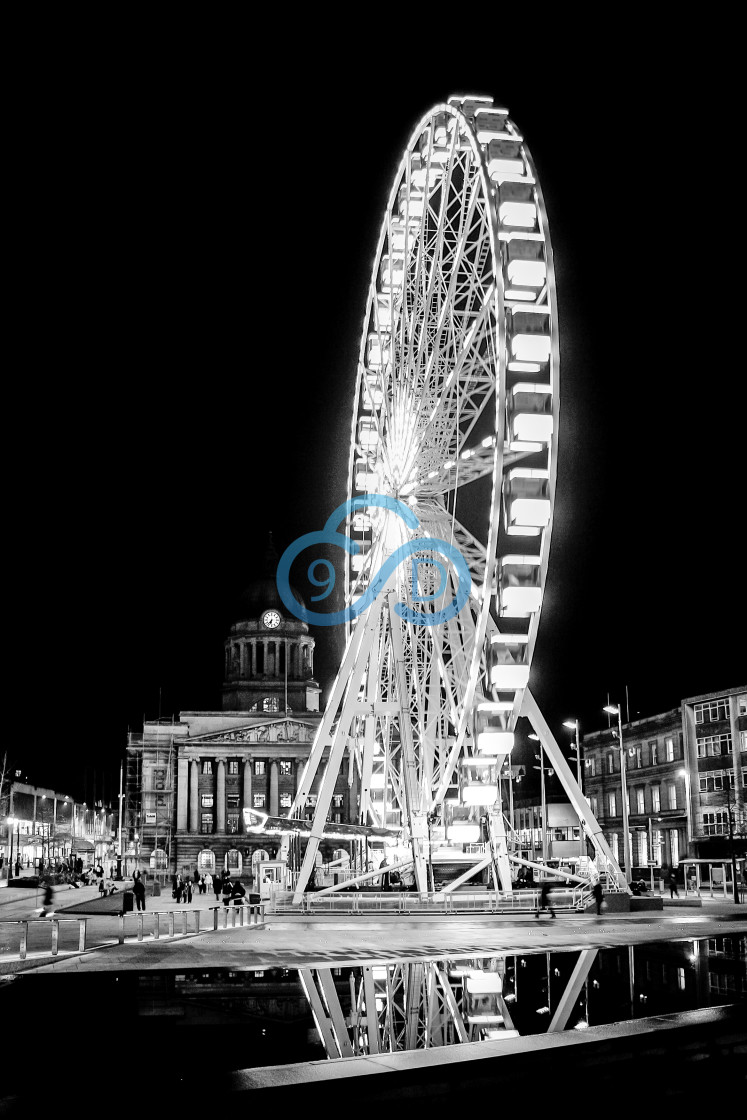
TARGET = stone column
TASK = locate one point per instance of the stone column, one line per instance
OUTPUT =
(194, 797)
(220, 797)
(299, 772)
(182, 785)
(274, 800)
(246, 792)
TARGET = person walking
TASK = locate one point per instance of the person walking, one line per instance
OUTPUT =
(596, 890)
(179, 887)
(47, 906)
(188, 889)
(201, 885)
(217, 886)
(545, 902)
(673, 892)
(138, 889)
(227, 888)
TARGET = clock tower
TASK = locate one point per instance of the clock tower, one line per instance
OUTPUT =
(269, 654)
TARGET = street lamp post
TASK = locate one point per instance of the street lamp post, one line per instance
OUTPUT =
(573, 724)
(614, 710)
(11, 826)
(684, 774)
(735, 883)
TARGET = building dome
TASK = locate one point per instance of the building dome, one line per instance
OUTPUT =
(262, 593)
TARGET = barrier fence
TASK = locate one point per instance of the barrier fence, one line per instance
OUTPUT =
(165, 923)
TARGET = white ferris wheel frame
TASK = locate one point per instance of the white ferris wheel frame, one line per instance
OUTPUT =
(457, 381)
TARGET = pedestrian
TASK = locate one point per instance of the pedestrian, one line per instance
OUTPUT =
(196, 876)
(208, 882)
(138, 889)
(545, 902)
(201, 884)
(217, 886)
(238, 893)
(47, 906)
(178, 889)
(673, 892)
(596, 890)
(188, 890)
(227, 888)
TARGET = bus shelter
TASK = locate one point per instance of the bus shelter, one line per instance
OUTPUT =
(713, 877)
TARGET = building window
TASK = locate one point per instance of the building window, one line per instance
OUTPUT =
(258, 800)
(669, 748)
(742, 704)
(713, 781)
(656, 799)
(614, 846)
(671, 795)
(206, 800)
(158, 860)
(311, 801)
(593, 804)
(674, 846)
(233, 859)
(259, 768)
(612, 804)
(653, 747)
(207, 766)
(286, 768)
(639, 801)
(206, 860)
(711, 710)
(232, 822)
(270, 704)
(233, 766)
(711, 746)
(610, 763)
(715, 824)
(337, 818)
(285, 801)
(638, 757)
(591, 767)
(337, 800)
(206, 822)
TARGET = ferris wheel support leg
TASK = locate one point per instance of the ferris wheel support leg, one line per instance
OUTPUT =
(351, 671)
(587, 820)
(416, 817)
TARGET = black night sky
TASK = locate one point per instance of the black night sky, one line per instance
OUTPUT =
(199, 247)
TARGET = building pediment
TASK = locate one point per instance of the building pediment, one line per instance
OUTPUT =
(263, 731)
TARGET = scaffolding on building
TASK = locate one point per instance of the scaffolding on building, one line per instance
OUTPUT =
(149, 797)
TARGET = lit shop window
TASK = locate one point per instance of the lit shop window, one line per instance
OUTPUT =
(259, 768)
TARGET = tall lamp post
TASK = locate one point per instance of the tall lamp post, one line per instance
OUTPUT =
(614, 710)
(573, 725)
(735, 883)
(11, 826)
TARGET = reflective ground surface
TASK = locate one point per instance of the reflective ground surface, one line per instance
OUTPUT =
(229, 1020)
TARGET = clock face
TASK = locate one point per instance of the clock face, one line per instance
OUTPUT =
(271, 619)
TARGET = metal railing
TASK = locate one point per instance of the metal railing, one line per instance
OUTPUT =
(440, 902)
(166, 924)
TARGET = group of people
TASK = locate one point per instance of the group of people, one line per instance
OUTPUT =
(225, 888)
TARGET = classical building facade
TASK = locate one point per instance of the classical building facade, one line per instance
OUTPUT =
(188, 779)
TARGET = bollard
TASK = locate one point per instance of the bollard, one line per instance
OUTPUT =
(55, 936)
(184, 923)
(157, 926)
(197, 921)
(171, 923)
(81, 935)
(140, 926)
(241, 915)
(120, 937)
(24, 940)
(215, 917)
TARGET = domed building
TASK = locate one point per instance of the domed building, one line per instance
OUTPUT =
(188, 780)
(269, 654)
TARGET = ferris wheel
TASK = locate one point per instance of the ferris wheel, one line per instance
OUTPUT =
(455, 423)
